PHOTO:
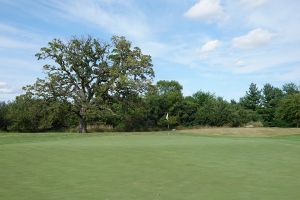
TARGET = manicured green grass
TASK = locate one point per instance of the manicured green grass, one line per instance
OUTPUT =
(148, 166)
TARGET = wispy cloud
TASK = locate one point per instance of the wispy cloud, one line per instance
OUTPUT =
(25, 65)
(117, 17)
(253, 3)
(292, 75)
(253, 63)
(12, 37)
(8, 28)
(18, 65)
(14, 43)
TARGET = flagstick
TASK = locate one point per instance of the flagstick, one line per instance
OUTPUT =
(167, 118)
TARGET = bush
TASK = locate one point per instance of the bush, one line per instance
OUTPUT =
(254, 125)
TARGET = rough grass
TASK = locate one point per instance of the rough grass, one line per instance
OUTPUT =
(165, 165)
(244, 132)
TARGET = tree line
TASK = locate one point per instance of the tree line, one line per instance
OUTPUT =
(93, 85)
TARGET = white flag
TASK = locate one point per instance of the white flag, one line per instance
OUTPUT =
(167, 116)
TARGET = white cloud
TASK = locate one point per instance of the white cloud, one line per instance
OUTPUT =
(210, 46)
(255, 38)
(5, 89)
(206, 10)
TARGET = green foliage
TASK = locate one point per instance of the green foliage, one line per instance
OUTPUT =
(270, 100)
(169, 88)
(289, 109)
(201, 98)
(187, 112)
(26, 114)
(3, 116)
(215, 111)
(165, 97)
(290, 88)
(239, 116)
(133, 111)
(88, 73)
(131, 114)
(252, 99)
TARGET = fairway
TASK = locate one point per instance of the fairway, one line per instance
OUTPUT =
(148, 167)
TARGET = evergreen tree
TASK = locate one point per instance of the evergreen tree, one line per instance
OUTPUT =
(290, 88)
(270, 99)
(252, 99)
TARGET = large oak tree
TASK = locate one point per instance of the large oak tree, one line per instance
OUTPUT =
(88, 73)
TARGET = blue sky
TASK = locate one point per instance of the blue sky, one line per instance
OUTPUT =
(211, 45)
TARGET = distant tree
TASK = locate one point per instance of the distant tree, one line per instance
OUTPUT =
(187, 111)
(239, 116)
(3, 116)
(212, 110)
(168, 87)
(170, 93)
(270, 100)
(233, 102)
(164, 97)
(252, 99)
(171, 98)
(289, 109)
(31, 115)
(130, 114)
(88, 73)
(290, 88)
(201, 97)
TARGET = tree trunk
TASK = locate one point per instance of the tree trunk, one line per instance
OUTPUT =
(82, 120)
(82, 125)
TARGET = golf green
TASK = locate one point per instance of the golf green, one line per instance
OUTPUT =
(154, 166)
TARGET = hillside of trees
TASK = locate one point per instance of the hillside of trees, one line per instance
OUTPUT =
(95, 86)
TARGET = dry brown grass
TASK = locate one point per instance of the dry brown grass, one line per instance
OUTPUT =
(249, 132)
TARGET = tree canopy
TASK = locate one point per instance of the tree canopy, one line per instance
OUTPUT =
(289, 109)
(252, 98)
(89, 73)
